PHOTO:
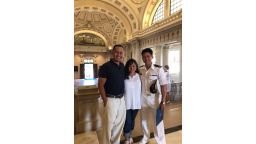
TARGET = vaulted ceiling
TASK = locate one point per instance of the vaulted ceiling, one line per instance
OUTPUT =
(114, 21)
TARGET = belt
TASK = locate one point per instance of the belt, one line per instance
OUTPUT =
(115, 96)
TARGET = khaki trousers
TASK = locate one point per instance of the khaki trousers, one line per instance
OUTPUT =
(113, 121)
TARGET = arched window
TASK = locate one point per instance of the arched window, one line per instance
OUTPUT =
(159, 13)
(175, 6)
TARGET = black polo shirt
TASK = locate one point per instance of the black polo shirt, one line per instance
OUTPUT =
(115, 77)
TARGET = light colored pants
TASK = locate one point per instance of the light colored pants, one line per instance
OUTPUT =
(113, 121)
(149, 113)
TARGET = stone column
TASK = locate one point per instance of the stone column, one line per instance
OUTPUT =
(181, 62)
(136, 52)
(165, 55)
(157, 54)
(127, 52)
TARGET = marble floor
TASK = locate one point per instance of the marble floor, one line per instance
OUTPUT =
(172, 118)
(171, 138)
(90, 116)
(86, 138)
(91, 138)
(172, 121)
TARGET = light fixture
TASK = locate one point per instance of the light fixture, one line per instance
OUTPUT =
(81, 57)
(95, 56)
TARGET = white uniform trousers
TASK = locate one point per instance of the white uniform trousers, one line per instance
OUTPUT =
(113, 121)
(149, 113)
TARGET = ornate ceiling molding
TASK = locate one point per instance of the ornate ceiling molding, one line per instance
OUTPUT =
(124, 23)
(149, 12)
(128, 9)
(79, 48)
(88, 40)
(166, 23)
(91, 19)
(125, 19)
(137, 1)
(106, 41)
(109, 9)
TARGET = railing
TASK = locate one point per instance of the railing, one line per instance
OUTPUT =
(176, 92)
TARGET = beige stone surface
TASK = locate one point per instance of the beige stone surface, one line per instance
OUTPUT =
(86, 138)
(171, 138)
(91, 138)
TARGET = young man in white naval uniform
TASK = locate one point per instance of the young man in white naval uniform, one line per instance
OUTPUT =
(153, 100)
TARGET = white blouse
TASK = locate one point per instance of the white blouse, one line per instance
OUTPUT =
(132, 92)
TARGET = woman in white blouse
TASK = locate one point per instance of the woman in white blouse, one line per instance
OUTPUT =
(132, 95)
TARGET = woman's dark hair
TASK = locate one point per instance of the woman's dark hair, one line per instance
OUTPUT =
(126, 68)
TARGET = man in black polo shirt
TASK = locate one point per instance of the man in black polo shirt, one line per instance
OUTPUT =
(111, 88)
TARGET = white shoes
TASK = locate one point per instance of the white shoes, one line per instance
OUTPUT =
(130, 141)
(142, 142)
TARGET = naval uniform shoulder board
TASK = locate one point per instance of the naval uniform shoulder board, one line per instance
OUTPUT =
(141, 66)
(157, 65)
